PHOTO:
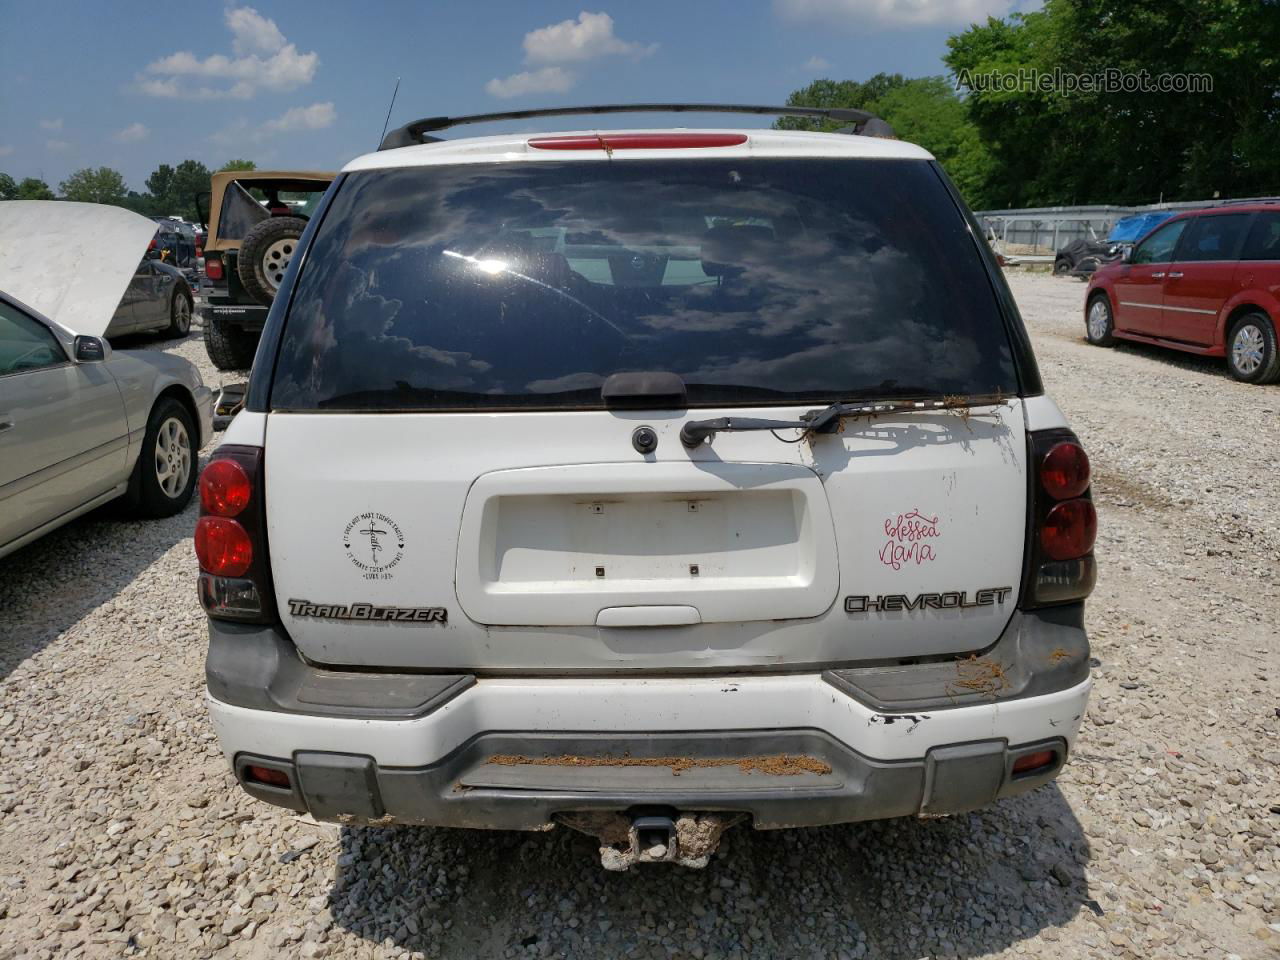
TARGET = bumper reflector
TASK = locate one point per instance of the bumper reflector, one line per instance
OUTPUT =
(1032, 762)
(267, 776)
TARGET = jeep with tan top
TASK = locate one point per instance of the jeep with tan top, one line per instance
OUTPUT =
(256, 218)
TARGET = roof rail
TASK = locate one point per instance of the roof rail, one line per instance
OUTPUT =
(1227, 203)
(419, 131)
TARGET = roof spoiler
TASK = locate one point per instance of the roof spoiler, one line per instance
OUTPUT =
(858, 122)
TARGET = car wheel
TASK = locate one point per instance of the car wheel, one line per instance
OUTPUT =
(1061, 267)
(1251, 349)
(229, 347)
(179, 315)
(165, 474)
(1099, 326)
(265, 255)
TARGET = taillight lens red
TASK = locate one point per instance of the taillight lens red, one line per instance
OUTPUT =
(223, 547)
(1069, 530)
(1064, 472)
(224, 488)
(213, 268)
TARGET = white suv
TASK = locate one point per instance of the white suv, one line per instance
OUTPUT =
(645, 482)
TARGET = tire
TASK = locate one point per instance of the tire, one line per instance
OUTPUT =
(179, 315)
(1251, 349)
(265, 254)
(1086, 267)
(1061, 267)
(1099, 328)
(164, 477)
(229, 347)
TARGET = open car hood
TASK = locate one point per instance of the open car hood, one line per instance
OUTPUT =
(71, 261)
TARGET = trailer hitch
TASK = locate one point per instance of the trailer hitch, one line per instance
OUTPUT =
(653, 836)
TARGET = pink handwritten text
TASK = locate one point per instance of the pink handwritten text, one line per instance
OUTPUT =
(908, 533)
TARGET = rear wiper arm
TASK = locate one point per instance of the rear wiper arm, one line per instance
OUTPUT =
(824, 420)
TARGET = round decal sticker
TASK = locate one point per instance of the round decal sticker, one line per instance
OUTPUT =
(374, 544)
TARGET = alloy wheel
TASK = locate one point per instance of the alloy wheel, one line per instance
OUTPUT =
(1247, 349)
(173, 457)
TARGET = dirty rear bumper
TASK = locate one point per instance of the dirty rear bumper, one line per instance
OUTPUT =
(882, 741)
(468, 790)
(435, 764)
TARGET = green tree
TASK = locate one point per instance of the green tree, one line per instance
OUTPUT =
(160, 183)
(173, 189)
(927, 111)
(1132, 146)
(237, 165)
(32, 189)
(837, 93)
(143, 203)
(8, 187)
(923, 110)
(102, 185)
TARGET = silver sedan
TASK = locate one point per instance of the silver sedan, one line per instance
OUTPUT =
(81, 424)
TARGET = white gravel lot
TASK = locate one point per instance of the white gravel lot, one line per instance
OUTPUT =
(123, 834)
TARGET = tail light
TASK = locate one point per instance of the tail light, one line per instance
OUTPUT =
(231, 537)
(213, 267)
(223, 547)
(609, 142)
(1060, 563)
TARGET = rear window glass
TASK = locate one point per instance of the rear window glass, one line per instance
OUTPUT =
(525, 285)
(1264, 238)
(1214, 238)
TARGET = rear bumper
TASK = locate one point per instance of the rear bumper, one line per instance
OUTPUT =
(250, 316)
(438, 767)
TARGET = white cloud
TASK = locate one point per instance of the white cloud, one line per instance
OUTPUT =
(263, 61)
(132, 133)
(51, 124)
(896, 13)
(572, 41)
(251, 32)
(5, 150)
(546, 80)
(817, 63)
(315, 117)
(56, 146)
(242, 133)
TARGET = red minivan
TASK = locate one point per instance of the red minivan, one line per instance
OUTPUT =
(1206, 282)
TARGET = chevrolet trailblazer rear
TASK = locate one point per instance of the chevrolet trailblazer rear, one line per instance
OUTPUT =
(645, 483)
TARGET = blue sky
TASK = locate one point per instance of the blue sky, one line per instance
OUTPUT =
(306, 85)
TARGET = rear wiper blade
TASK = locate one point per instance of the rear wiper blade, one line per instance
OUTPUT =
(823, 420)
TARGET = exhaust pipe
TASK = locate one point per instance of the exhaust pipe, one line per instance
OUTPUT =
(654, 836)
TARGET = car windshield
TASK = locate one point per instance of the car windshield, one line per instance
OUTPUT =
(525, 285)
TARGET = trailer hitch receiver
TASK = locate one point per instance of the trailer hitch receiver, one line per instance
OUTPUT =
(653, 836)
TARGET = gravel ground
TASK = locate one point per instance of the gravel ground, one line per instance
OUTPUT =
(122, 833)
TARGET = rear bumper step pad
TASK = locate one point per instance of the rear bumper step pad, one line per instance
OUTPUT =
(469, 790)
